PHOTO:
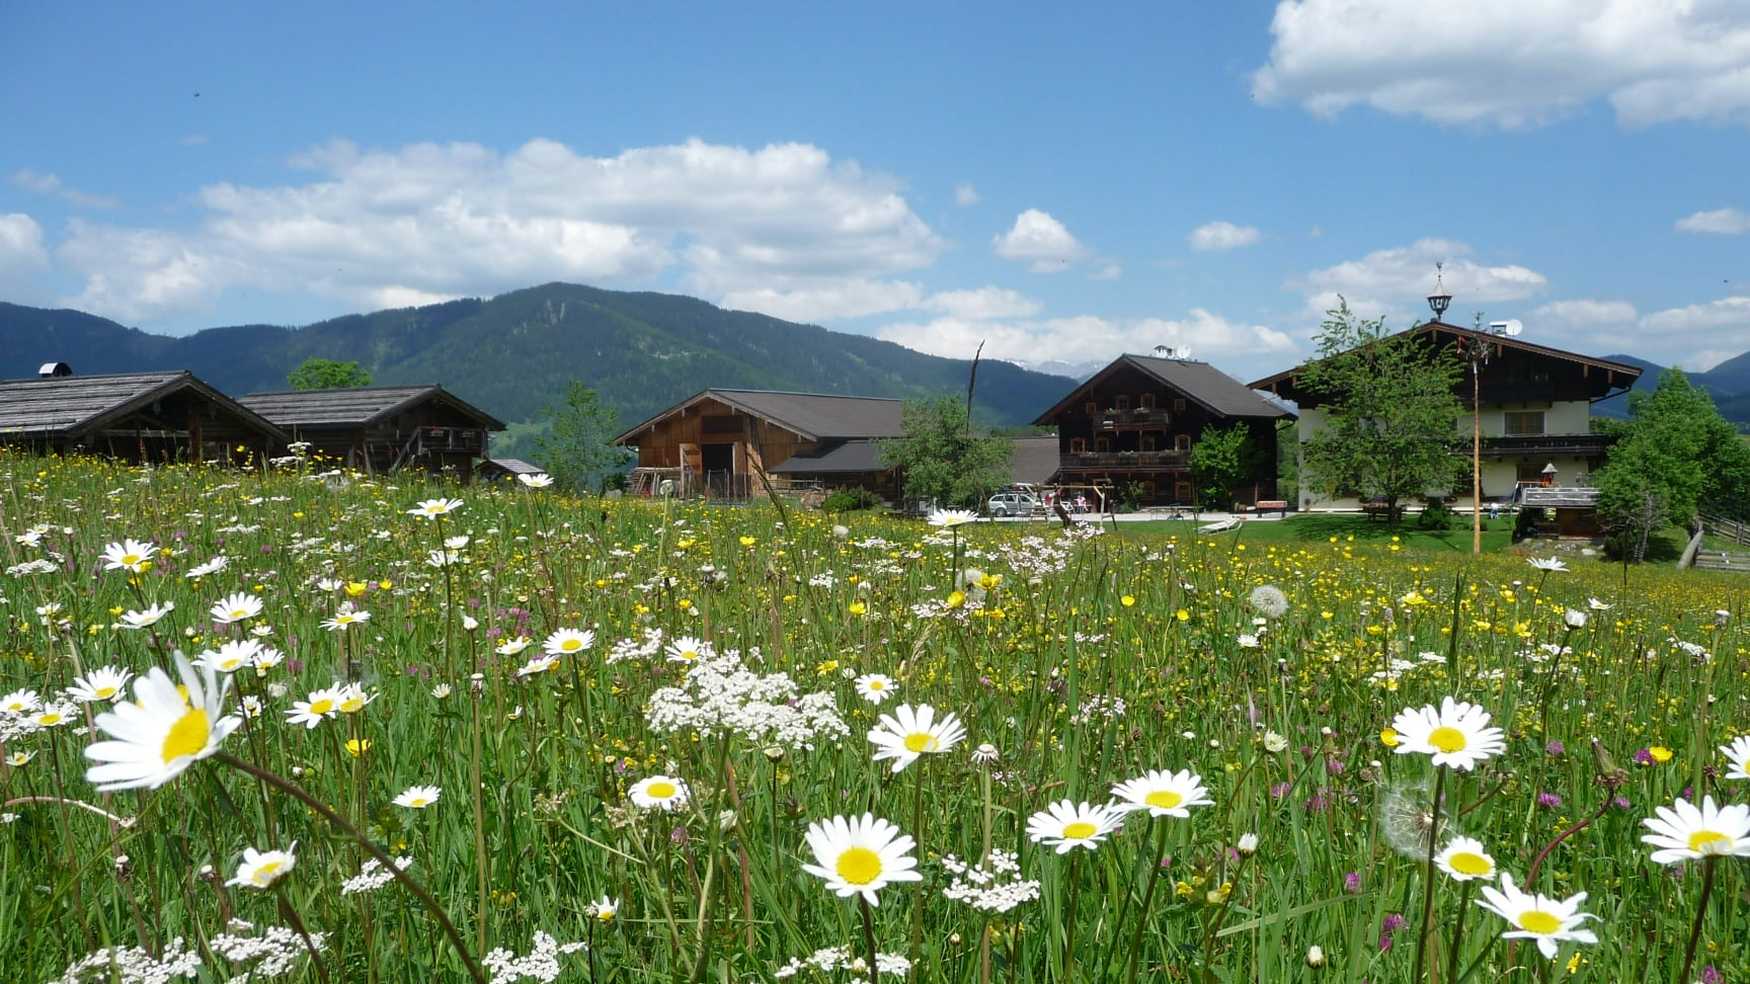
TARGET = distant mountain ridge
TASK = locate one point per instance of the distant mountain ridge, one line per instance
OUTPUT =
(1728, 383)
(514, 354)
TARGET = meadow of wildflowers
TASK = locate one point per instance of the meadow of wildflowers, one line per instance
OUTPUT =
(320, 727)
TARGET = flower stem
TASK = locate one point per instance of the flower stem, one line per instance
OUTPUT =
(1422, 930)
(388, 863)
(1154, 874)
(1069, 925)
(1707, 888)
(1458, 933)
(868, 937)
(290, 915)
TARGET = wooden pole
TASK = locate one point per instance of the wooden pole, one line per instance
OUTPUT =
(1476, 459)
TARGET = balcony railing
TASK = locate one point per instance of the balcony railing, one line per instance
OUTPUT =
(1557, 444)
(1127, 459)
(1130, 418)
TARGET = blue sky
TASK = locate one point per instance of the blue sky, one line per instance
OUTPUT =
(1063, 183)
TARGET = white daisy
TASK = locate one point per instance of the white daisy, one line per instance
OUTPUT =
(1738, 754)
(433, 508)
(128, 555)
(1538, 917)
(231, 656)
(1552, 564)
(1684, 833)
(875, 687)
(603, 909)
(537, 481)
(236, 608)
(103, 684)
(910, 732)
(160, 734)
(209, 568)
(664, 793)
(537, 664)
(686, 649)
(260, 869)
(147, 618)
(1162, 794)
(860, 856)
(568, 642)
(418, 797)
(1463, 859)
(312, 710)
(20, 702)
(1067, 824)
(346, 618)
(1457, 734)
(950, 518)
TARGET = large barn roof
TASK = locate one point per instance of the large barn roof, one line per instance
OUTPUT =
(70, 406)
(358, 406)
(1201, 382)
(814, 416)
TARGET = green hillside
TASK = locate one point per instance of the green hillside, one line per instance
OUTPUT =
(513, 354)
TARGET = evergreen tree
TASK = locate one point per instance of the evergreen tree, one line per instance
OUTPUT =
(578, 448)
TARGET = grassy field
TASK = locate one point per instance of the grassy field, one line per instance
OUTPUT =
(1350, 529)
(609, 741)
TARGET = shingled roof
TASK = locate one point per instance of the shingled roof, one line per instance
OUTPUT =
(72, 406)
(814, 416)
(1201, 382)
(358, 406)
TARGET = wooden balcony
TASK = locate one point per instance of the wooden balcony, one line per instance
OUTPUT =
(1131, 419)
(1552, 445)
(1127, 460)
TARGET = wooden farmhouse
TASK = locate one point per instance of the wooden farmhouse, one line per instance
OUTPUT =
(1132, 424)
(139, 417)
(381, 429)
(1535, 409)
(719, 442)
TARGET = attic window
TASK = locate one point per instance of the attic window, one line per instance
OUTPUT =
(1078, 445)
(1092, 408)
(1123, 402)
(1179, 404)
(1181, 442)
(1145, 402)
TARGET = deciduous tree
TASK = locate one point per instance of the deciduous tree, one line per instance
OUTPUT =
(321, 374)
(942, 459)
(578, 448)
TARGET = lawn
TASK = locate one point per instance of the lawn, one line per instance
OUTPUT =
(1314, 527)
(429, 733)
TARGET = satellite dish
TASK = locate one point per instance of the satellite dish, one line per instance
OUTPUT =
(1515, 328)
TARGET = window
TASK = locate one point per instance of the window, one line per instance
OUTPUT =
(1179, 404)
(1146, 442)
(1102, 443)
(1182, 491)
(1123, 402)
(1181, 442)
(1092, 408)
(1532, 473)
(1078, 445)
(1524, 422)
(1146, 401)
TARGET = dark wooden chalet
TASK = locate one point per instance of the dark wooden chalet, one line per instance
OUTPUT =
(1132, 424)
(140, 417)
(381, 429)
(719, 441)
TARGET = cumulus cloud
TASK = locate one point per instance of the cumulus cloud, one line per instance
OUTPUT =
(1512, 64)
(1585, 312)
(1087, 338)
(23, 257)
(965, 194)
(46, 183)
(1727, 312)
(782, 226)
(1040, 241)
(1719, 222)
(1221, 236)
(1108, 271)
(982, 303)
(1393, 282)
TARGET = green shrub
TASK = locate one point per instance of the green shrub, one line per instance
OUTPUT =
(1436, 515)
(850, 500)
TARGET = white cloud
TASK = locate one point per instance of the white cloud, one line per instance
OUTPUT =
(1087, 338)
(1222, 236)
(853, 298)
(982, 303)
(1585, 312)
(43, 183)
(785, 224)
(1511, 63)
(1393, 282)
(1720, 222)
(1108, 271)
(965, 194)
(1040, 241)
(21, 243)
(1727, 312)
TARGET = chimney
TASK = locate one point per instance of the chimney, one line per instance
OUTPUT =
(54, 370)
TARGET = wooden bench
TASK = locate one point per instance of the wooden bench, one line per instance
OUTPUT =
(1272, 505)
(1376, 508)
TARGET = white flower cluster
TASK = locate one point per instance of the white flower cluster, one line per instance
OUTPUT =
(1099, 706)
(270, 953)
(1032, 557)
(628, 649)
(132, 965)
(541, 964)
(372, 876)
(722, 696)
(839, 958)
(995, 886)
(32, 567)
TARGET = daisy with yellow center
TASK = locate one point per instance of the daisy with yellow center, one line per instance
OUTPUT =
(1681, 832)
(1456, 734)
(1162, 794)
(320, 704)
(568, 642)
(1546, 920)
(20, 702)
(911, 732)
(435, 508)
(1464, 859)
(260, 869)
(687, 649)
(875, 687)
(664, 793)
(160, 734)
(859, 856)
(236, 608)
(1738, 756)
(128, 555)
(418, 797)
(100, 685)
(345, 619)
(1066, 825)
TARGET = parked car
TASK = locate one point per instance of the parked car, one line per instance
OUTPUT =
(1014, 504)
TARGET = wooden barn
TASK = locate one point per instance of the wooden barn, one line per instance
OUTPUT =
(381, 429)
(139, 417)
(719, 441)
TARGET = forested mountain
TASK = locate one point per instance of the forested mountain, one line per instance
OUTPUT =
(513, 354)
